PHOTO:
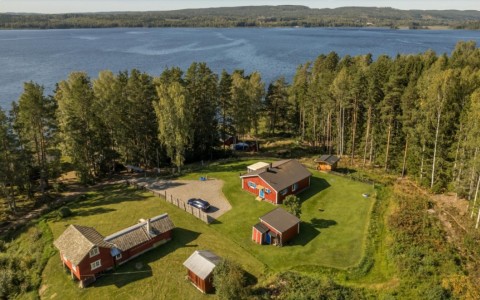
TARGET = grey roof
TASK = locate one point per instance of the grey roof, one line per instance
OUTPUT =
(329, 159)
(282, 174)
(137, 234)
(280, 219)
(202, 263)
(76, 241)
(260, 227)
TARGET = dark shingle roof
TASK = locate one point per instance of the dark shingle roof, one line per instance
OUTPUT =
(280, 219)
(137, 234)
(260, 227)
(282, 174)
(202, 263)
(329, 159)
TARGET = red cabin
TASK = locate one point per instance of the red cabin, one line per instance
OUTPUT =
(275, 181)
(276, 228)
(88, 254)
(200, 267)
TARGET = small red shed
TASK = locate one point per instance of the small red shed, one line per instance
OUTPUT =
(88, 254)
(200, 266)
(273, 182)
(276, 228)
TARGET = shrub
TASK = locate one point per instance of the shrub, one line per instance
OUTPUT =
(64, 212)
(229, 281)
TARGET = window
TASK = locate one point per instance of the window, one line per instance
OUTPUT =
(96, 264)
(294, 187)
(268, 191)
(284, 192)
(252, 184)
(118, 256)
(94, 252)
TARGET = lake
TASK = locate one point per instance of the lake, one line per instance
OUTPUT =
(48, 56)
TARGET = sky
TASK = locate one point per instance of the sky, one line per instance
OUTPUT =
(62, 6)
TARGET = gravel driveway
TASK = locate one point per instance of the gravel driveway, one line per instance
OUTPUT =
(209, 190)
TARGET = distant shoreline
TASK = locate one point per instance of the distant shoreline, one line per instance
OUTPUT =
(252, 17)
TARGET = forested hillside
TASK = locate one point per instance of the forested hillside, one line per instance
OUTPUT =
(248, 16)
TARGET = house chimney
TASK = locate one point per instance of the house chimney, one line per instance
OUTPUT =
(270, 166)
(148, 226)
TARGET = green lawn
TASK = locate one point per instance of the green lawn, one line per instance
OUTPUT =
(334, 222)
(163, 275)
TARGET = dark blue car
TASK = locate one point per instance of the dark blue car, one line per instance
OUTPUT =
(199, 203)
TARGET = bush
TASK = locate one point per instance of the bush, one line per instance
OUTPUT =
(64, 212)
(229, 281)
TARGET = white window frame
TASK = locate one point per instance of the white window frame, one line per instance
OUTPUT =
(294, 187)
(268, 191)
(96, 264)
(94, 252)
(284, 192)
(252, 184)
(118, 256)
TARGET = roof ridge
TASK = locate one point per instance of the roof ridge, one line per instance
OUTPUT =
(134, 227)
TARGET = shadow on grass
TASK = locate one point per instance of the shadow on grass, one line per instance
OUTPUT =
(308, 232)
(92, 211)
(316, 186)
(322, 223)
(345, 171)
(139, 268)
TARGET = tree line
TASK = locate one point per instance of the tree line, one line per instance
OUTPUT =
(412, 115)
(249, 16)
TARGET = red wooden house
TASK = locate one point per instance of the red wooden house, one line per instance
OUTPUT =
(88, 254)
(200, 267)
(276, 228)
(277, 180)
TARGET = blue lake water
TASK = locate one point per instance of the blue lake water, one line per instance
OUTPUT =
(48, 56)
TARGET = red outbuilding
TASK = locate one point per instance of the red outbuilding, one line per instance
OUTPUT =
(88, 254)
(200, 266)
(275, 181)
(276, 228)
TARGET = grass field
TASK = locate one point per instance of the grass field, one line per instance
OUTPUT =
(334, 222)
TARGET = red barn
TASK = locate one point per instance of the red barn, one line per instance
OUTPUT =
(88, 254)
(200, 267)
(277, 180)
(276, 228)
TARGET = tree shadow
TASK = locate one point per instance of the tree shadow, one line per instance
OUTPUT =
(139, 268)
(322, 223)
(250, 279)
(345, 171)
(92, 211)
(163, 185)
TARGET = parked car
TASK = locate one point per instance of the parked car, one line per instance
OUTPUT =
(199, 203)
